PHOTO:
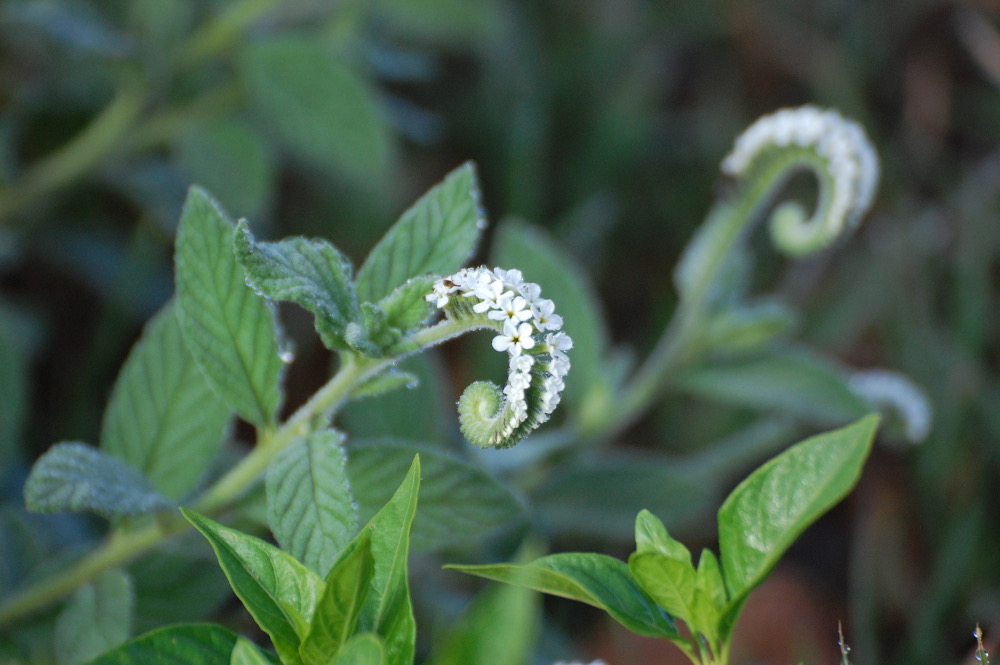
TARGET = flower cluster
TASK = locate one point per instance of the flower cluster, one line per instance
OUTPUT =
(842, 143)
(531, 334)
(891, 389)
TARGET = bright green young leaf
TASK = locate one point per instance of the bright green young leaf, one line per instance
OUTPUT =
(387, 610)
(709, 580)
(435, 236)
(764, 515)
(310, 273)
(190, 644)
(247, 653)
(77, 477)
(710, 599)
(339, 607)
(320, 108)
(790, 381)
(278, 591)
(13, 396)
(458, 501)
(565, 282)
(406, 307)
(362, 649)
(668, 581)
(309, 502)
(163, 418)
(595, 579)
(230, 330)
(652, 536)
(98, 617)
(229, 158)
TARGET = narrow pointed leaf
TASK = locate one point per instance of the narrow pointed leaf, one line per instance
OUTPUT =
(97, 618)
(163, 418)
(278, 591)
(761, 518)
(191, 644)
(436, 235)
(309, 502)
(77, 477)
(363, 649)
(310, 273)
(339, 607)
(229, 329)
(595, 579)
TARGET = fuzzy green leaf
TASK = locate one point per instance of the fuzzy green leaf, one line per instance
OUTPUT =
(310, 273)
(595, 579)
(278, 591)
(191, 644)
(362, 649)
(458, 501)
(764, 515)
(229, 329)
(321, 109)
(388, 610)
(339, 607)
(98, 617)
(77, 477)
(406, 307)
(163, 418)
(436, 235)
(309, 502)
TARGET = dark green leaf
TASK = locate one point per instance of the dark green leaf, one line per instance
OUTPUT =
(791, 381)
(766, 513)
(310, 273)
(595, 579)
(191, 644)
(77, 477)
(362, 649)
(98, 617)
(163, 418)
(309, 503)
(320, 109)
(435, 236)
(458, 502)
(388, 610)
(565, 282)
(230, 330)
(339, 607)
(278, 591)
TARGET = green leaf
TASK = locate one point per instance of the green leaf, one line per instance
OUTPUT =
(761, 518)
(321, 109)
(652, 536)
(163, 418)
(406, 307)
(339, 607)
(564, 281)
(790, 381)
(436, 235)
(670, 582)
(309, 502)
(710, 599)
(388, 610)
(362, 649)
(98, 617)
(458, 502)
(13, 396)
(77, 477)
(230, 330)
(278, 591)
(228, 158)
(191, 644)
(247, 653)
(595, 579)
(310, 273)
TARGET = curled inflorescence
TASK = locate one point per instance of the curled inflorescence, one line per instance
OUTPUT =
(893, 390)
(849, 163)
(531, 334)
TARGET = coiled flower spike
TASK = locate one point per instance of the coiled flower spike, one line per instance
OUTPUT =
(529, 332)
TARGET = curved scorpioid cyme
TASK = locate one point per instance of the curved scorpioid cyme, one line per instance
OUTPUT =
(531, 334)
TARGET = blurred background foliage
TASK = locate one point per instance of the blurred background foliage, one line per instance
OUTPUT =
(601, 122)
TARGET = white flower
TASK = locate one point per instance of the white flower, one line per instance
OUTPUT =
(514, 338)
(545, 317)
(558, 343)
(522, 363)
(511, 307)
(530, 291)
(489, 292)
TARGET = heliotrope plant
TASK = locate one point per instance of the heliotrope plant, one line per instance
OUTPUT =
(333, 592)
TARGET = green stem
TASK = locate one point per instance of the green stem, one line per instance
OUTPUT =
(123, 546)
(218, 35)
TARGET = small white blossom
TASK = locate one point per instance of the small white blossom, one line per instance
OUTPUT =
(543, 310)
(514, 338)
(522, 363)
(509, 306)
